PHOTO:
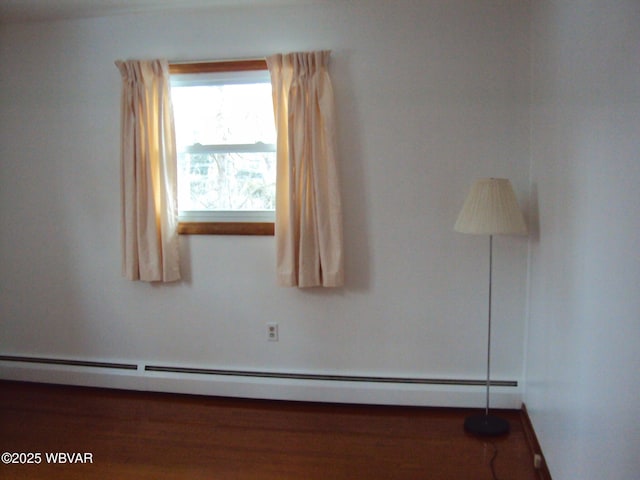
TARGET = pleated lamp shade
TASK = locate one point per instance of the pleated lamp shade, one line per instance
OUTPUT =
(491, 208)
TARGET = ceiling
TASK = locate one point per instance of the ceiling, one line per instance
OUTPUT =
(40, 10)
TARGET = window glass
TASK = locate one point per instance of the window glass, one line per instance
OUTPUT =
(225, 136)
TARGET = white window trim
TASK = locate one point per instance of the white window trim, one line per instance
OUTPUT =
(227, 216)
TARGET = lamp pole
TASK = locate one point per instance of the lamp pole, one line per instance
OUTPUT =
(486, 411)
(488, 425)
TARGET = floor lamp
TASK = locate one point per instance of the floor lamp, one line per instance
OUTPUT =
(491, 208)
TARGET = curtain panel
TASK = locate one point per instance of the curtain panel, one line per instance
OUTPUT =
(148, 173)
(308, 227)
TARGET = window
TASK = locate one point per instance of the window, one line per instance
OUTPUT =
(225, 138)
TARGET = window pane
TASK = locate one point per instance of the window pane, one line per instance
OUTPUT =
(226, 181)
(223, 114)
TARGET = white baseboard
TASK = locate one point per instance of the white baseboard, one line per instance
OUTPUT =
(262, 385)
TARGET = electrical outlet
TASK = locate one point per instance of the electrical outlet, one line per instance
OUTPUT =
(537, 461)
(272, 332)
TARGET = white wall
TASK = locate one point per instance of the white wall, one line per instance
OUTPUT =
(430, 96)
(582, 383)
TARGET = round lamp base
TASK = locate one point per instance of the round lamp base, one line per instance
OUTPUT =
(486, 425)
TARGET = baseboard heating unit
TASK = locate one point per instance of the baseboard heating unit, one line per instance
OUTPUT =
(277, 385)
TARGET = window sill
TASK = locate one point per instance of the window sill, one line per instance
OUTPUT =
(226, 228)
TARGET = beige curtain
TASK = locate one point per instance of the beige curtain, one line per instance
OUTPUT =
(148, 173)
(308, 207)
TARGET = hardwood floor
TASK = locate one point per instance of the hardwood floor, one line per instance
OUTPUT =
(133, 435)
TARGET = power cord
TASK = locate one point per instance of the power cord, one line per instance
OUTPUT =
(493, 459)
